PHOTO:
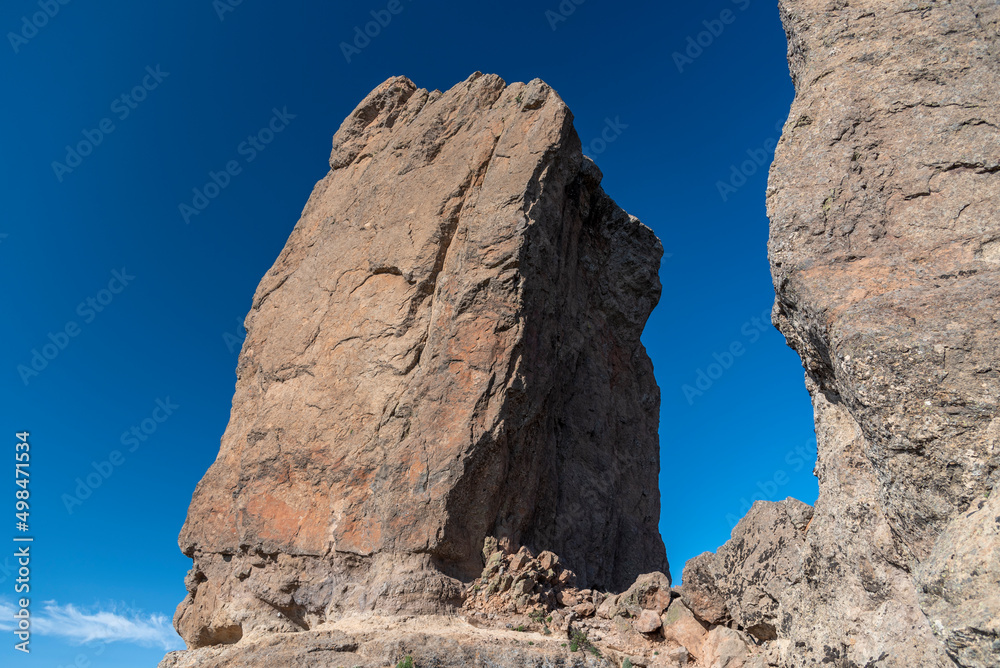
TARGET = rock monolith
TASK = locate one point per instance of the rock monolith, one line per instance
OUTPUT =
(447, 349)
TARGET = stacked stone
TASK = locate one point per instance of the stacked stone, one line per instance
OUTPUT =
(521, 582)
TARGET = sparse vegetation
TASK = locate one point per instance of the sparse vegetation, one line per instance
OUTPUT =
(627, 663)
(405, 662)
(540, 617)
(578, 640)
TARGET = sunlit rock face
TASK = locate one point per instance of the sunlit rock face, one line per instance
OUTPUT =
(885, 251)
(446, 349)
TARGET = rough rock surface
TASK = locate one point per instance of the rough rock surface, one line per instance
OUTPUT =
(446, 349)
(427, 641)
(523, 612)
(885, 253)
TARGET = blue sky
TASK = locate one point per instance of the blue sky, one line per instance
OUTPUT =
(140, 308)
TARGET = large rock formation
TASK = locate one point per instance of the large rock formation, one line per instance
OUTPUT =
(447, 349)
(885, 246)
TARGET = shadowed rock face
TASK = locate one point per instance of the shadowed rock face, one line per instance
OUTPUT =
(446, 349)
(885, 251)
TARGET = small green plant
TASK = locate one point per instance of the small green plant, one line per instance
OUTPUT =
(627, 663)
(531, 642)
(539, 616)
(518, 98)
(578, 640)
(406, 662)
(521, 628)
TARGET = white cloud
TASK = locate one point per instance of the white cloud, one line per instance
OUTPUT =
(81, 625)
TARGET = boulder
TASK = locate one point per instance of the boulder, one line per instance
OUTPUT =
(648, 621)
(725, 648)
(650, 591)
(681, 627)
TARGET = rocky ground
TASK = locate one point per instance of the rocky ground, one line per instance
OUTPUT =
(524, 610)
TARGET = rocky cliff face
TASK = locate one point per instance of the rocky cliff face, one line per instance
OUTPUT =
(446, 349)
(885, 253)
(443, 378)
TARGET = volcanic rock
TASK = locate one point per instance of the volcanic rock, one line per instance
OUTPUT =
(446, 350)
(885, 252)
(647, 622)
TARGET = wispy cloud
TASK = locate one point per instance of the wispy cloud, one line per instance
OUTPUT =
(85, 625)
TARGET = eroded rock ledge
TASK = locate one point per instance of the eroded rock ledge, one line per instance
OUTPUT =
(524, 610)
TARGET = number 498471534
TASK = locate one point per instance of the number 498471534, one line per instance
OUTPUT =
(21, 477)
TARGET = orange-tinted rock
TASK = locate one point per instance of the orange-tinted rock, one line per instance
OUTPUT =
(446, 349)
(647, 622)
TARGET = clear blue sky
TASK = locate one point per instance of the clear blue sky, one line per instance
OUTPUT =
(156, 332)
